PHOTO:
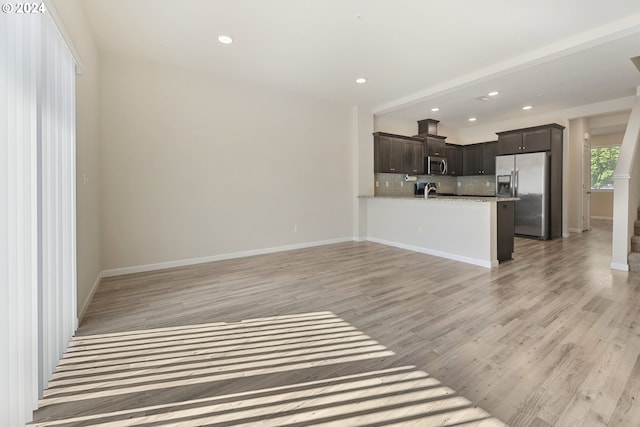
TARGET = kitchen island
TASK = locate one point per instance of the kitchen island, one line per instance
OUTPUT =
(461, 228)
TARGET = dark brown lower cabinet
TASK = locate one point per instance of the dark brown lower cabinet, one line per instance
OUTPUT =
(506, 227)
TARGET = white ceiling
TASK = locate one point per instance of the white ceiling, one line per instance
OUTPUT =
(415, 53)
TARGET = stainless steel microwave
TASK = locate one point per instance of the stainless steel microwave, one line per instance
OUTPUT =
(435, 165)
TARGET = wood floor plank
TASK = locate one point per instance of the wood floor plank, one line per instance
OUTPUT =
(361, 334)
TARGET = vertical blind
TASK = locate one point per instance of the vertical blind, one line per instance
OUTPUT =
(37, 209)
(57, 284)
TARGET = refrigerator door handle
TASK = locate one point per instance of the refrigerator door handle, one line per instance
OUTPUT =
(512, 190)
(517, 178)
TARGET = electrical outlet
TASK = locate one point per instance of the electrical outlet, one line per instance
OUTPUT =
(386, 183)
(401, 184)
(377, 183)
(459, 184)
(295, 228)
(488, 184)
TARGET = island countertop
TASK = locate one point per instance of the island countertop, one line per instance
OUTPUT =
(448, 198)
(460, 228)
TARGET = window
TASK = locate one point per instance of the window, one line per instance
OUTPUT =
(603, 164)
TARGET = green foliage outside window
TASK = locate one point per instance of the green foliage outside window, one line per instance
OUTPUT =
(603, 164)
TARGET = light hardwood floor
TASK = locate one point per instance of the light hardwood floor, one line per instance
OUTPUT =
(361, 334)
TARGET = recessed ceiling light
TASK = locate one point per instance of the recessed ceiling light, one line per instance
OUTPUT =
(361, 80)
(225, 39)
(483, 98)
(472, 119)
(527, 107)
(435, 109)
(494, 93)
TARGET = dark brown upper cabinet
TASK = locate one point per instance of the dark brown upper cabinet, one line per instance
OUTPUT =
(510, 143)
(413, 157)
(472, 159)
(388, 154)
(398, 154)
(479, 159)
(428, 126)
(528, 140)
(435, 146)
(453, 153)
(489, 151)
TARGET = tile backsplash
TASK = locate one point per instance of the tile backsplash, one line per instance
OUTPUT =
(477, 185)
(394, 185)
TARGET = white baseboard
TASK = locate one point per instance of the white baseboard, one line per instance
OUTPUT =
(608, 218)
(426, 251)
(574, 230)
(618, 266)
(86, 303)
(184, 262)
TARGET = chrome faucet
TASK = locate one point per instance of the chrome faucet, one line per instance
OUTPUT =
(430, 188)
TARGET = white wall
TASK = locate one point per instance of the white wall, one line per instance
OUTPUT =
(196, 166)
(612, 123)
(606, 140)
(88, 209)
(395, 125)
(363, 123)
(574, 141)
(601, 204)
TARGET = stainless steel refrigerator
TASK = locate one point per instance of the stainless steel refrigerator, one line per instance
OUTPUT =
(526, 176)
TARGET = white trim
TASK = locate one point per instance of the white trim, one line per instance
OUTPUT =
(610, 145)
(618, 266)
(53, 13)
(184, 262)
(608, 218)
(575, 230)
(621, 176)
(447, 255)
(565, 235)
(87, 301)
